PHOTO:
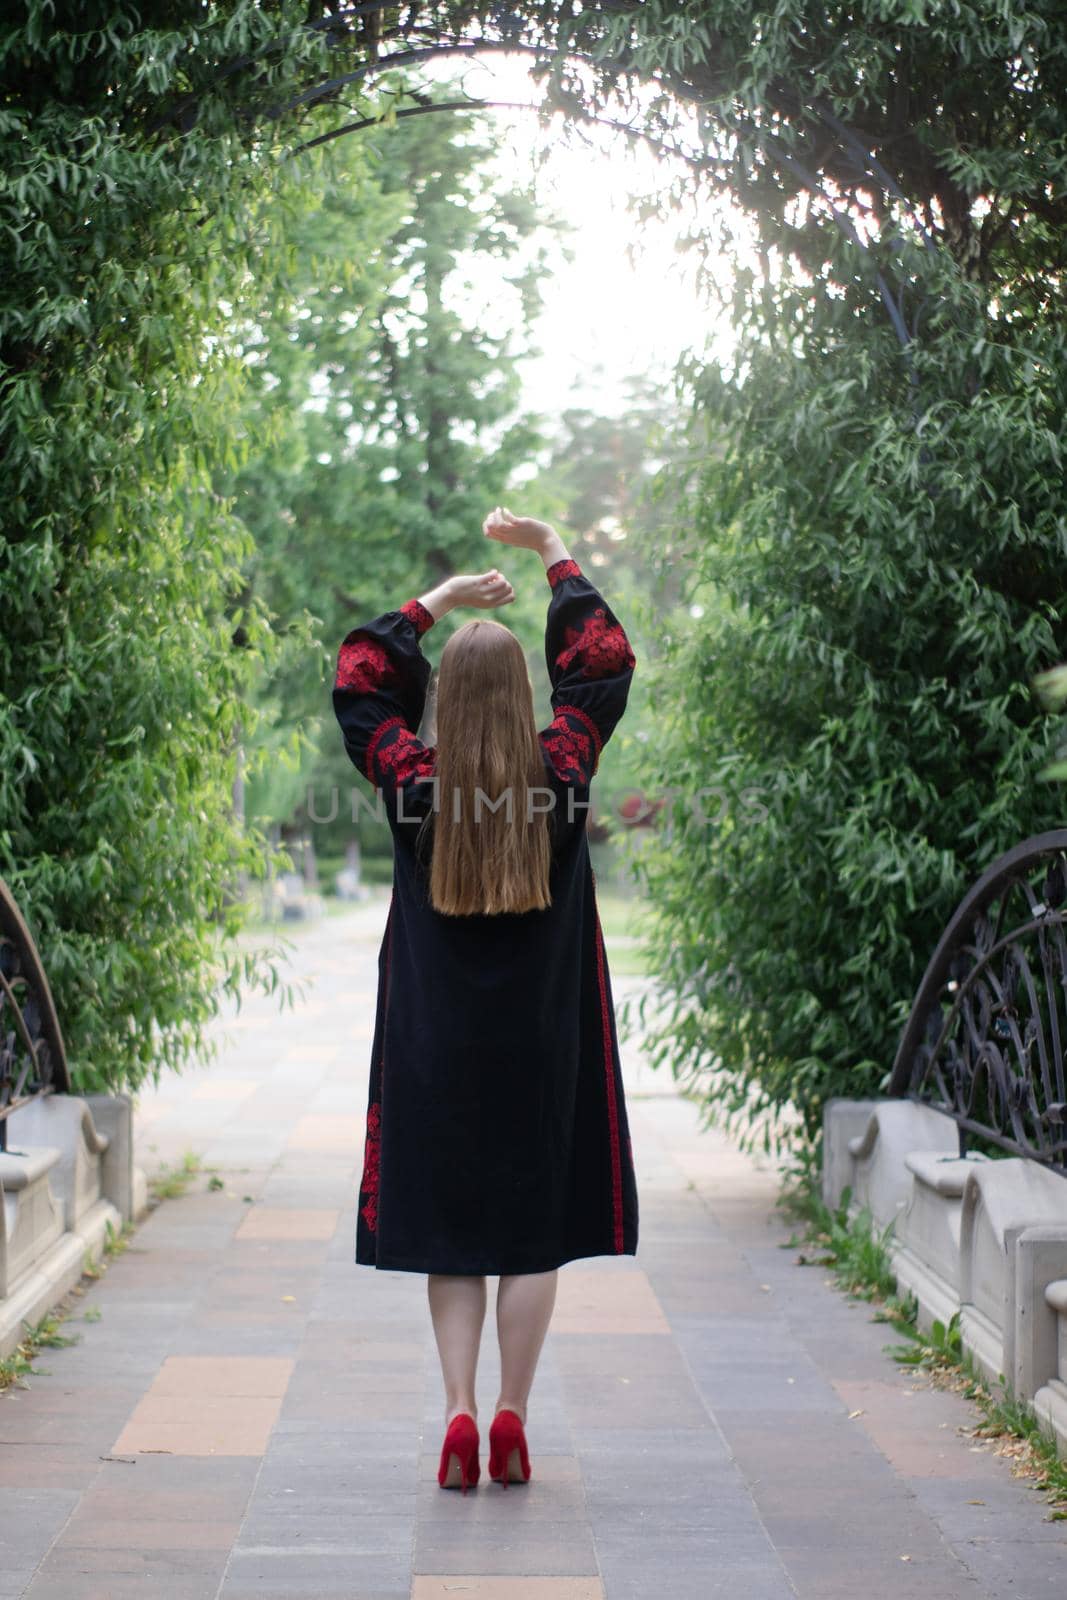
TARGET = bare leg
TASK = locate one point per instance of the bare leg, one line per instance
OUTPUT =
(524, 1304)
(457, 1306)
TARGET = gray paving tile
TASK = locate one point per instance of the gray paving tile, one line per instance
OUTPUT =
(146, 1562)
(311, 1572)
(1011, 1568)
(1002, 1509)
(157, 1585)
(15, 1581)
(351, 1589)
(467, 1542)
(346, 1530)
(901, 1574)
(689, 1564)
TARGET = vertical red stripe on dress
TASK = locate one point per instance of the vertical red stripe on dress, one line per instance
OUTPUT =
(370, 1181)
(385, 994)
(609, 1082)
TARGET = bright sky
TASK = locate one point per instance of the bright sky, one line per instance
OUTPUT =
(605, 317)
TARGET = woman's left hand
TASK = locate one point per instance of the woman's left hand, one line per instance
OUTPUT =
(484, 590)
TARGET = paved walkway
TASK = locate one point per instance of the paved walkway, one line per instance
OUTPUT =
(253, 1416)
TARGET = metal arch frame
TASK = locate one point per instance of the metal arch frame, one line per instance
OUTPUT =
(511, 27)
(965, 1049)
(33, 1058)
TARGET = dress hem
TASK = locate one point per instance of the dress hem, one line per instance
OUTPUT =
(486, 1271)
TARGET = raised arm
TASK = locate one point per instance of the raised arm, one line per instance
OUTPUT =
(379, 693)
(589, 657)
(590, 665)
(379, 689)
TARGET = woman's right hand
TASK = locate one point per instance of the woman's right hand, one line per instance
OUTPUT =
(526, 532)
(486, 590)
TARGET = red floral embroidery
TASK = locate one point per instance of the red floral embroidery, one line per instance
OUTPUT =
(402, 757)
(379, 733)
(372, 1156)
(418, 615)
(599, 648)
(562, 569)
(571, 751)
(587, 722)
(364, 665)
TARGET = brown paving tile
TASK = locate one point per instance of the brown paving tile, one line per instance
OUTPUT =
(208, 1405)
(217, 1410)
(199, 1437)
(309, 1052)
(607, 1301)
(288, 1222)
(426, 1586)
(198, 1376)
(930, 1456)
(319, 1132)
(226, 1090)
(912, 1430)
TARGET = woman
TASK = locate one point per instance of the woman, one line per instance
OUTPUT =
(497, 1139)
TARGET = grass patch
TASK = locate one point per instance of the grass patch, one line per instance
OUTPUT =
(169, 1182)
(858, 1256)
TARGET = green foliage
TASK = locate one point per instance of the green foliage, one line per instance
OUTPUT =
(878, 542)
(849, 1244)
(381, 415)
(126, 656)
(941, 1346)
(861, 696)
(876, 535)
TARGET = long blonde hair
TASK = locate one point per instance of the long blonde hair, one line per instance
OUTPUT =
(490, 854)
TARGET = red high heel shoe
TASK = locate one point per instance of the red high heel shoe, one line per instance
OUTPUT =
(507, 1448)
(461, 1443)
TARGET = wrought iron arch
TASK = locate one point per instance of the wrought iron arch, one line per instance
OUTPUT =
(985, 1039)
(33, 1059)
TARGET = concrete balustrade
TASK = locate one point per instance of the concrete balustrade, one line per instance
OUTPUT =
(1000, 1202)
(986, 1237)
(66, 1176)
(926, 1241)
(1050, 1400)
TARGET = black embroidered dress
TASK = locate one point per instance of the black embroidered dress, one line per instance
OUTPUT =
(497, 1138)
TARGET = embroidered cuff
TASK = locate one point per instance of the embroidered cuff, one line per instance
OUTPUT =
(562, 569)
(587, 723)
(417, 614)
(375, 739)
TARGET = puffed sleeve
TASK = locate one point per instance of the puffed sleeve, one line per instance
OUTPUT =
(590, 665)
(379, 693)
